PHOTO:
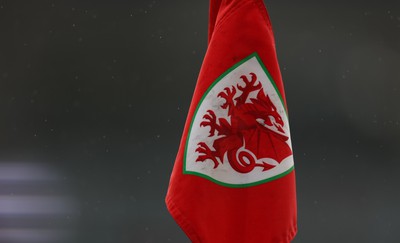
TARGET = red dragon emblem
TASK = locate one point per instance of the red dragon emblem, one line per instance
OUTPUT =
(254, 136)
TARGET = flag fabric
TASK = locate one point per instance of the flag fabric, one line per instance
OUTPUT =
(233, 178)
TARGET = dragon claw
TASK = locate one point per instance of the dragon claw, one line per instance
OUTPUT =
(250, 85)
(211, 121)
(227, 95)
(206, 153)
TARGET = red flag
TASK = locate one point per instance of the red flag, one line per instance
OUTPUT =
(233, 179)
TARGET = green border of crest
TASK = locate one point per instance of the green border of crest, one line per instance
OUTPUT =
(195, 113)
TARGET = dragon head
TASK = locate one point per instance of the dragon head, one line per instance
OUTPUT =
(267, 114)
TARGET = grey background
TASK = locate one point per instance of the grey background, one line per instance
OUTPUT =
(96, 93)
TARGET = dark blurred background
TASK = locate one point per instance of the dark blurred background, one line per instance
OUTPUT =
(94, 96)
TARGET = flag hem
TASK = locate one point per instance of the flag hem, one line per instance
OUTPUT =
(187, 228)
(181, 220)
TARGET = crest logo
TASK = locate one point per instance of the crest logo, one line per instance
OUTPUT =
(239, 135)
